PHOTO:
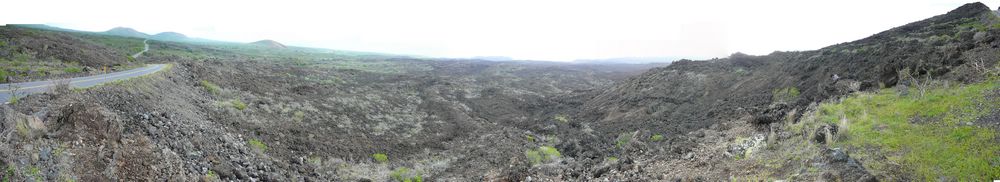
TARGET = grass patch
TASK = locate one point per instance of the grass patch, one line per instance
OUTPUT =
(404, 174)
(542, 155)
(380, 157)
(298, 116)
(622, 140)
(72, 70)
(211, 87)
(656, 138)
(928, 135)
(786, 95)
(238, 104)
(561, 118)
(257, 144)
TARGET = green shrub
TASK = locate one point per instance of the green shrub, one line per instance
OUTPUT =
(380, 157)
(239, 105)
(298, 116)
(542, 154)
(561, 118)
(612, 159)
(656, 138)
(404, 174)
(72, 70)
(257, 144)
(786, 95)
(3, 75)
(622, 140)
(211, 87)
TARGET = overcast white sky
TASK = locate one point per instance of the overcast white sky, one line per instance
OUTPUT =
(559, 30)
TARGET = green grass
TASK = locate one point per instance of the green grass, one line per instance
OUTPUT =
(3, 75)
(542, 155)
(622, 140)
(787, 94)
(257, 144)
(211, 87)
(380, 157)
(941, 145)
(238, 104)
(404, 174)
(561, 118)
(656, 138)
(72, 70)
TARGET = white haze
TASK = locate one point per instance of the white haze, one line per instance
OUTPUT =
(559, 30)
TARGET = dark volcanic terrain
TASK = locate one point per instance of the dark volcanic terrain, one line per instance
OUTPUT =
(251, 112)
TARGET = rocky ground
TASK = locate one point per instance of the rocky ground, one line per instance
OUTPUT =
(243, 114)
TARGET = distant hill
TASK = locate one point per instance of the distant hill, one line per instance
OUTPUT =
(170, 36)
(493, 58)
(269, 43)
(44, 27)
(126, 32)
(628, 60)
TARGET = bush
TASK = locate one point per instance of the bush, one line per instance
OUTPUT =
(239, 105)
(210, 87)
(561, 118)
(656, 138)
(404, 174)
(3, 75)
(786, 95)
(380, 157)
(72, 70)
(298, 116)
(257, 144)
(542, 154)
(622, 140)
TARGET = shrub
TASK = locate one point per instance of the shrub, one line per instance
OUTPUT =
(72, 70)
(210, 87)
(622, 140)
(3, 75)
(298, 116)
(542, 154)
(787, 94)
(612, 159)
(239, 105)
(257, 144)
(656, 138)
(380, 157)
(405, 175)
(561, 118)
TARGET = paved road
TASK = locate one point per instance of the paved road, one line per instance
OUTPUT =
(79, 82)
(144, 49)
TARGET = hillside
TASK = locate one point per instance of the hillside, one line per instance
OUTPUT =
(170, 36)
(269, 43)
(914, 103)
(126, 32)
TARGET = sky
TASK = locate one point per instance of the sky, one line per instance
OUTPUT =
(553, 30)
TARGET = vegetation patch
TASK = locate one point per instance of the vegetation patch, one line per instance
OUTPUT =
(561, 118)
(257, 144)
(543, 154)
(404, 174)
(622, 140)
(238, 104)
(211, 87)
(785, 95)
(656, 138)
(928, 135)
(380, 157)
